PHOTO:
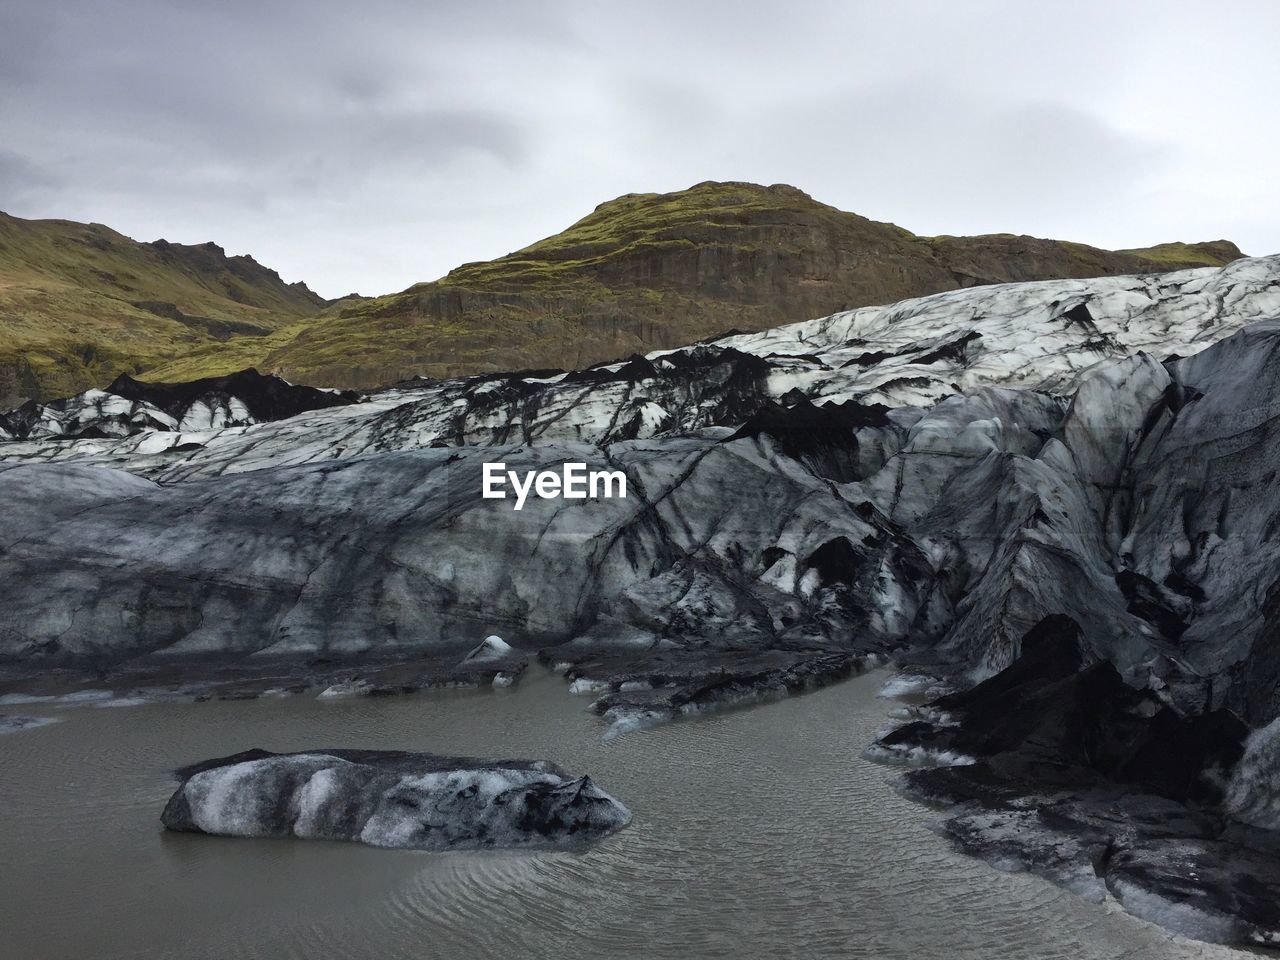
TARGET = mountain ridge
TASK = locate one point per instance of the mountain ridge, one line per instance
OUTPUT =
(642, 271)
(80, 303)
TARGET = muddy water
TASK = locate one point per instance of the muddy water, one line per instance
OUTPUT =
(759, 833)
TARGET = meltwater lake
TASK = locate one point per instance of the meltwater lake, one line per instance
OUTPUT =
(756, 833)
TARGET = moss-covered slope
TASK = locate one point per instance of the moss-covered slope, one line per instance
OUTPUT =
(641, 272)
(80, 303)
(647, 271)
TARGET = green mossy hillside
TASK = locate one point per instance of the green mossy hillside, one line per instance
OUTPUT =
(642, 272)
(80, 303)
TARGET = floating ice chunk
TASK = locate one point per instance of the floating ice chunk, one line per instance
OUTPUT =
(13, 699)
(929, 714)
(393, 799)
(12, 724)
(626, 720)
(346, 689)
(85, 696)
(490, 648)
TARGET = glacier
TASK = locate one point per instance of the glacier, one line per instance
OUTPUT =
(1041, 500)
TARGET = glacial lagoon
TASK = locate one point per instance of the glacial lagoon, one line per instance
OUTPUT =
(756, 833)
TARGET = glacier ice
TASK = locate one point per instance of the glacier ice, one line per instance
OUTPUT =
(1057, 498)
(10, 723)
(392, 799)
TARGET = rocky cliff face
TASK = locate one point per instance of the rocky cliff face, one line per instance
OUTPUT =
(1055, 497)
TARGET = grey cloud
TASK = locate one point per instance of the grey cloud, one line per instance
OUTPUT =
(374, 146)
(930, 156)
(20, 176)
(24, 41)
(437, 136)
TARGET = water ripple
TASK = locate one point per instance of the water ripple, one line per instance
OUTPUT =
(756, 834)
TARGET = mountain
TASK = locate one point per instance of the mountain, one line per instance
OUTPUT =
(648, 271)
(911, 355)
(1055, 498)
(80, 303)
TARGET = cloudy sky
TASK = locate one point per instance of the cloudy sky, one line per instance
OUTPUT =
(365, 146)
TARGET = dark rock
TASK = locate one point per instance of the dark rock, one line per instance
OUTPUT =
(266, 397)
(1064, 770)
(823, 437)
(1048, 719)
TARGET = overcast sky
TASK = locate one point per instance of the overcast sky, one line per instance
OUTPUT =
(368, 144)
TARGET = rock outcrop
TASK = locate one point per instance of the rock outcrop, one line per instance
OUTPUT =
(385, 798)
